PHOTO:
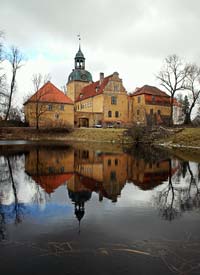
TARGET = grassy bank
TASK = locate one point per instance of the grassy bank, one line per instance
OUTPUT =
(188, 137)
(77, 135)
(184, 144)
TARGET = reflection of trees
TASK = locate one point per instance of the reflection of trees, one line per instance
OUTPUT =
(180, 194)
(149, 154)
(7, 180)
(166, 199)
(17, 209)
(189, 198)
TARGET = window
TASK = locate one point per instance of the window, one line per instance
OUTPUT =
(138, 112)
(116, 162)
(109, 162)
(153, 98)
(85, 154)
(62, 107)
(51, 170)
(57, 116)
(139, 99)
(109, 113)
(49, 107)
(116, 88)
(116, 114)
(113, 100)
(112, 175)
(151, 112)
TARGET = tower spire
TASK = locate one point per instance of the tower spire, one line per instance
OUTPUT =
(79, 39)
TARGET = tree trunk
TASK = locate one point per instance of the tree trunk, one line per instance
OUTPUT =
(188, 115)
(10, 96)
(171, 111)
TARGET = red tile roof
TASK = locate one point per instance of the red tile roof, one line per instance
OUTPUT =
(49, 93)
(93, 89)
(51, 182)
(151, 90)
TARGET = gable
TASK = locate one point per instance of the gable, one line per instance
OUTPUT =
(50, 94)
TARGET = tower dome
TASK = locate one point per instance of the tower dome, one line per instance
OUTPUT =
(79, 73)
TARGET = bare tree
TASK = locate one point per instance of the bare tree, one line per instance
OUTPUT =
(2, 75)
(38, 81)
(172, 77)
(193, 85)
(15, 58)
(3, 83)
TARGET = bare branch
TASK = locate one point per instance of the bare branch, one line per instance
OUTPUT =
(38, 81)
(172, 77)
(193, 86)
(15, 59)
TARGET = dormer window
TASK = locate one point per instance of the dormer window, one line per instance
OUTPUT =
(97, 89)
(81, 95)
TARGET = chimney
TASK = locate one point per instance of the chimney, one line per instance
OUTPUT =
(101, 78)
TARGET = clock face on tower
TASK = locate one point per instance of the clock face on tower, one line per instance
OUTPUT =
(83, 77)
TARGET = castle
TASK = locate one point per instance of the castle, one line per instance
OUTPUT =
(103, 103)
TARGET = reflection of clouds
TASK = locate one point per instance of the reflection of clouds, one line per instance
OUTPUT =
(27, 190)
(133, 196)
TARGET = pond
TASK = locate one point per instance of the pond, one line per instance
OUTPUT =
(73, 210)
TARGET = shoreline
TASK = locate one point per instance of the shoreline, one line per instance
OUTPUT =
(188, 139)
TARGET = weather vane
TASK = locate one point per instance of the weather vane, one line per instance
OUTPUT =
(79, 37)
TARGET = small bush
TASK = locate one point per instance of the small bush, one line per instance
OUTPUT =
(139, 133)
(12, 123)
(59, 130)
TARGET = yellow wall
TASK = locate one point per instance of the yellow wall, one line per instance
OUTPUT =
(121, 107)
(102, 104)
(142, 108)
(74, 89)
(92, 104)
(45, 162)
(54, 118)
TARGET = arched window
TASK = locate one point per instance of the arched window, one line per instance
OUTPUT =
(116, 114)
(109, 113)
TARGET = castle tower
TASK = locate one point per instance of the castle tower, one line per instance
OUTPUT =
(79, 77)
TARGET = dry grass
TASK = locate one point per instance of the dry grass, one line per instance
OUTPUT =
(77, 135)
(189, 136)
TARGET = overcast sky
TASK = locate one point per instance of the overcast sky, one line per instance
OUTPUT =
(128, 36)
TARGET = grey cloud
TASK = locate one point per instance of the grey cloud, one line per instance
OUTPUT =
(106, 24)
(114, 33)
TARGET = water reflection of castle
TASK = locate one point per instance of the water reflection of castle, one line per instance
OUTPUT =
(85, 171)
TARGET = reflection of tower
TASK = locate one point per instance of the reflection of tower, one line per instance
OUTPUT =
(79, 198)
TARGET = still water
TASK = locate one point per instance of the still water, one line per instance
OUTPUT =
(66, 210)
